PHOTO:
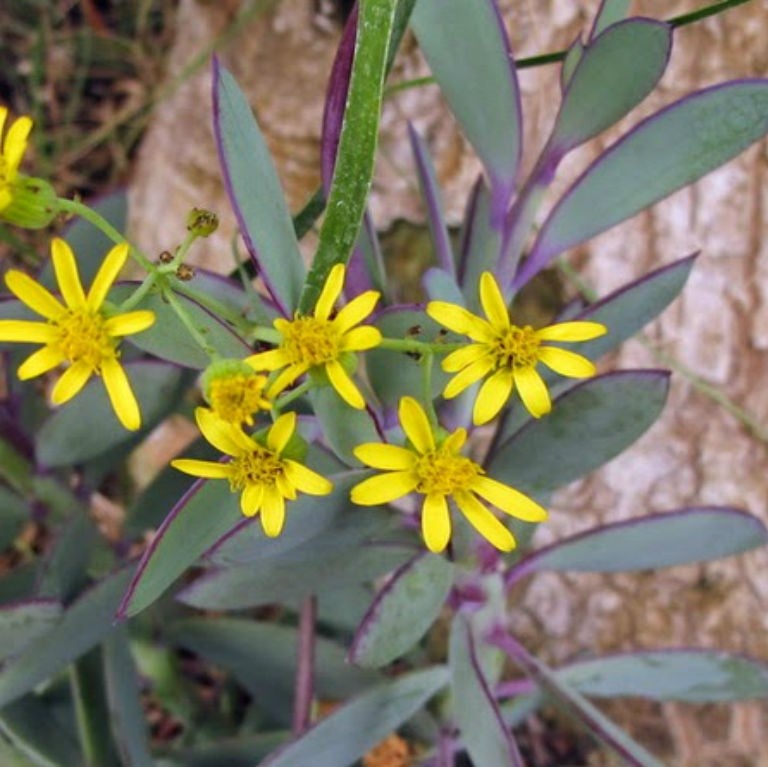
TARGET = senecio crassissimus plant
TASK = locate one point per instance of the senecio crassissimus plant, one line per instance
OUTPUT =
(339, 476)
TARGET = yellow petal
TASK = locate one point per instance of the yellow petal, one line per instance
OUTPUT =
(67, 276)
(270, 360)
(306, 480)
(281, 431)
(492, 396)
(355, 311)
(361, 339)
(509, 500)
(40, 362)
(493, 302)
(272, 512)
(533, 391)
(107, 274)
(16, 142)
(286, 378)
(71, 382)
(384, 488)
(285, 487)
(485, 522)
(455, 441)
(129, 323)
(27, 332)
(572, 331)
(467, 377)
(459, 320)
(566, 363)
(435, 522)
(416, 425)
(381, 456)
(344, 385)
(330, 293)
(459, 359)
(206, 469)
(222, 435)
(6, 198)
(251, 500)
(33, 294)
(120, 394)
(3, 118)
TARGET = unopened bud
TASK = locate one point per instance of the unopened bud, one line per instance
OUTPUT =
(202, 222)
(33, 205)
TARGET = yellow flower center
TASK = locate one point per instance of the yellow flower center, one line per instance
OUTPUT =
(259, 467)
(234, 398)
(516, 347)
(83, 337)
(312, 340)
(444, 472)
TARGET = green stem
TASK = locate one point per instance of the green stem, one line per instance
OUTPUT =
(412, 346)
(139, 293)
(178, 257)
(292, 395)
(426, 377)
(76, 208)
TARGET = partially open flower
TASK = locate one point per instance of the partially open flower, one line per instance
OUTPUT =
(235, 391)
(79, 333)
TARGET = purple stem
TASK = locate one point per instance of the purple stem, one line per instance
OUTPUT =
(305, 666)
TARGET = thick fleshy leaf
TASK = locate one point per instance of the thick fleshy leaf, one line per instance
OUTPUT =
(394, 376)
(608, 733)
(82, 626)
(353, 171)
(262, 658)
(23, 622)
(657, 540)
(615, 73)
(15, 513)
(690, 675)
(169, 340)
(665, 152)
(86, 426)
(610, 12)
(200, 518)
(483, 732)
(64, 570)
(403, 611)
(344, 428)
(242, 751)
(608, 413)
(571, 60)
(468, 52)
(21, 723)
(440, 285)
(327, 562)
(352, 730)
(126, 715)
(255, 192)
(430, 191)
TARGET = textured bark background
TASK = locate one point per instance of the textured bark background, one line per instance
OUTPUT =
(697, 454)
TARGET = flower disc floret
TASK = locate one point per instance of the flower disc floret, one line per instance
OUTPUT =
(435, 468)
(80, 333)
(506, 355)
(262, 473)
(322, 341)
(235, 391)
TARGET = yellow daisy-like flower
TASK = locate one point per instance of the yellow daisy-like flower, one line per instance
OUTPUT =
(11, 153)
(322, 342)
(435, 468)
(235, 391)
(508, 354)
(78, 333)
(261, 472)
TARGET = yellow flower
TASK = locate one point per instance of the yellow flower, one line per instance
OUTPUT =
(508, 354)
(264, 475)
(435, 468)
(234, 391)
(319, 342)
(79, 333)
(13, 148)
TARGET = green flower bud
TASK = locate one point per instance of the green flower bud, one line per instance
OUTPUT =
(201, 222)
(33, 204)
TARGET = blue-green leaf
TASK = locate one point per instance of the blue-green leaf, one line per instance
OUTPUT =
(610, 12)
(665, 152)
(255, 192)
(608, 413)
(657, 540)
(23, 622)
(352, 730)
(86, 426)
(614, 74)
(468, 52)
(404, 610)
(483, 732)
